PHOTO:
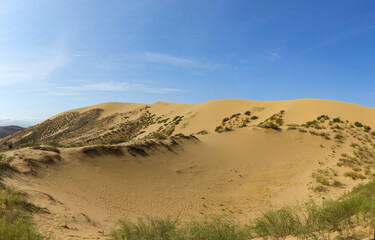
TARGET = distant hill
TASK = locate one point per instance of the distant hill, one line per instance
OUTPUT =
(9, 130)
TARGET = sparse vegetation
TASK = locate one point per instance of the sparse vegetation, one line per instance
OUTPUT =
(247, 113)
(358, 124)
(308, 221)
(254, 118)
(168, 229)
(337, 120)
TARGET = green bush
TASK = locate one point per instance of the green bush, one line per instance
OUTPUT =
(254, 118)
(367, 128)
(225, 120)
(337, 120)
(358, 124)
(248, 113)
(235, 115)
(279, 121)
(322, 117)
(202, 132)
(310, 123)
(218, 129)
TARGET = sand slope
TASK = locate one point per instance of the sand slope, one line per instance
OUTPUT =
(234, 173)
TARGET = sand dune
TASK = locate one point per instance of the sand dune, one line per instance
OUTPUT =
(237, 172)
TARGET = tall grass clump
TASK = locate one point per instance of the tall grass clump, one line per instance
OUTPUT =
(15, 219)
(149, 228)
(277, 223)
(313, 220)
(307, 221)
(168, 229)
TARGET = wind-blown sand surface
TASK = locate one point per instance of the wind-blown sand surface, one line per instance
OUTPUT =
(237, 173)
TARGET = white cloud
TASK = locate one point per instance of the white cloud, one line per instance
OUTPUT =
(101, 86)
(170, 60)
(81, 54)
(105, 87)
(161, 90)
(34, 68)
(272, 55)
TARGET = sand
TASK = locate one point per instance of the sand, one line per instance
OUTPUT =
(237, 174)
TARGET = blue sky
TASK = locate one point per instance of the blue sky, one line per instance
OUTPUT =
(64, 54)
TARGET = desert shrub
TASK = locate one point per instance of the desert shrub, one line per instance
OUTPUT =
(337, 183)
(310, 123)
(254, 117)
(158, 135)
(358, 124)
(279, 121)
(227, 129)
(169, 131)
(225, 120)
(271, 125)
(322, 180)
(339, 136)
(218, 129)
(337, 120)
(202, 132)
(337, 127)
(243, 125)
(248, 113)
(116, 140)
(180, 135)
(367, 128)
(373, 133)
(235, 115)
(54, 144)
(322, 117)
(354, 175)
(320, 189)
